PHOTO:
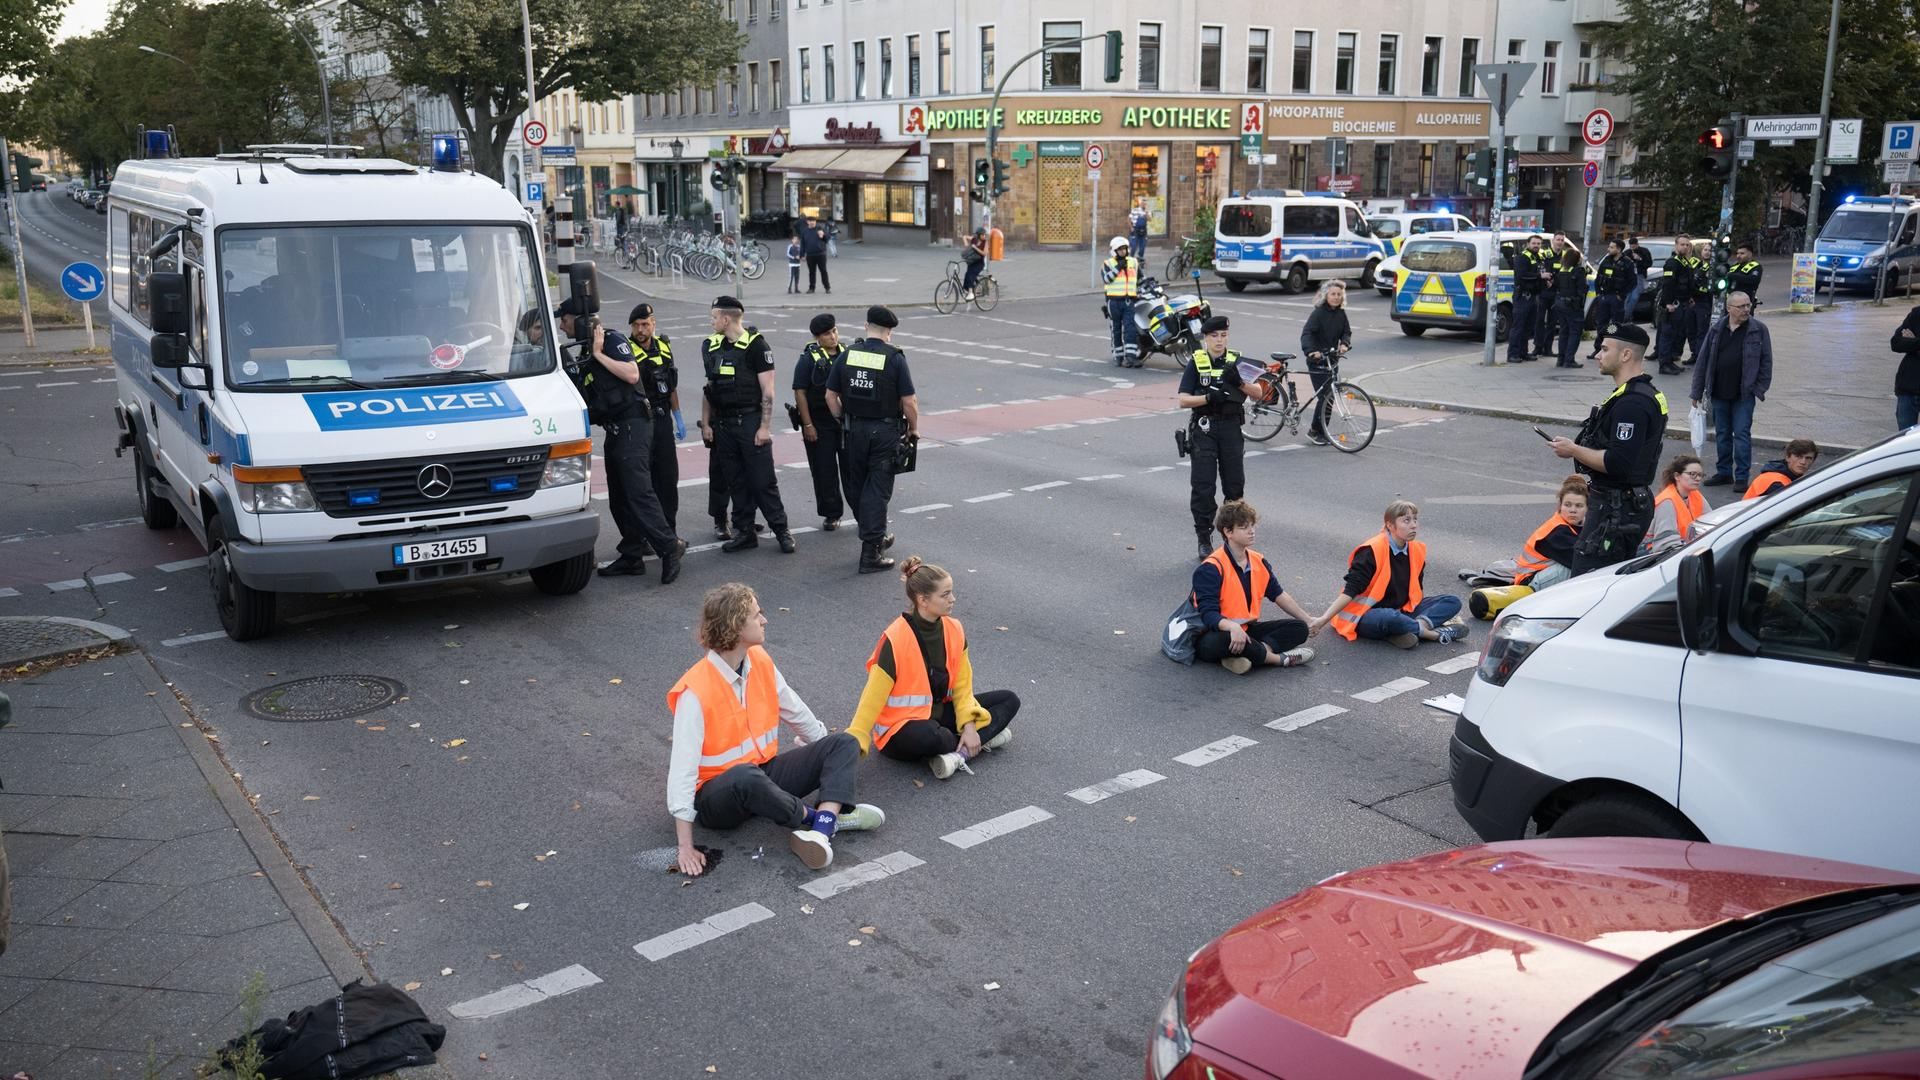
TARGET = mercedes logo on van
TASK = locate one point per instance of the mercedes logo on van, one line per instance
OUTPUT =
(435, 481)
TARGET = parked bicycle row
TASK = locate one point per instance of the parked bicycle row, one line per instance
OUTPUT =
(652, 249)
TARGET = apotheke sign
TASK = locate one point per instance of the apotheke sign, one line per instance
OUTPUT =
(1120, 117)
(1154, 117)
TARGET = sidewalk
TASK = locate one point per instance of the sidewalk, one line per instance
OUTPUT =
(52, 346)
(1832, 382)
(145, 888)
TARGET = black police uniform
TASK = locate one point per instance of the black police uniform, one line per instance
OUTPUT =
(826, 456)
(1745, 277)
(1219, 448)
(871, 377)
(1701, 313)
(659, 378)
(733, 392)
(1547, 332)
(621, 408)
(1570, 311)
(1629, 427)
(1527, 287)
(1676, 287)
(1613, 280)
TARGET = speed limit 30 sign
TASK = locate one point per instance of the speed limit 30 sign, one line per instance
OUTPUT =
(535, 133)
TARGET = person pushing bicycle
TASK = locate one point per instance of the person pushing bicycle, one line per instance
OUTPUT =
(1323, 341)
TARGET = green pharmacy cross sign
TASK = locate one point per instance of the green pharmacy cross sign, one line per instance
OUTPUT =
(1022, 154)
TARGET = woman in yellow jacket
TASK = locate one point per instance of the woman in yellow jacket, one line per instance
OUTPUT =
(919, 703)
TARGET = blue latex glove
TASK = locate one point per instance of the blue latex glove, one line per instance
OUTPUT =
(679, 426)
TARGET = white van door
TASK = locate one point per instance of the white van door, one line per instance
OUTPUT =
(1803, 733)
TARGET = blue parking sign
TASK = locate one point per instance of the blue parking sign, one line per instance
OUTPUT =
(536, 191)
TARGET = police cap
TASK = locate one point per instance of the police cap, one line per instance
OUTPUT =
(728, 303)
(640, 311)
(1629, 333)
(821, 323)
(881, 317)
(1214, 325)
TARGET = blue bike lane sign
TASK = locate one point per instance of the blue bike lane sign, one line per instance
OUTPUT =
(83, 281)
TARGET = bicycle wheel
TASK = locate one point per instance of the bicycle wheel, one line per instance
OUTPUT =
(946, 297)
(1352, 419)
(1264, 419)
(1178, 266)
(753, 268)
(985, 294)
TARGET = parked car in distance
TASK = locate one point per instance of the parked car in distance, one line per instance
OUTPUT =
(1568, 959)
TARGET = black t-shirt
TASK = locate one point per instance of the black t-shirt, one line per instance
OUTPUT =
(1226, 372)
(1628, 426)
(871, 377)
(1727, 363)
(812, 374)
(733, 370)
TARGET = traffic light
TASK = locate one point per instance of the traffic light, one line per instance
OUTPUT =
(727, 172)
(1480, 167)
(1716, 151)
(1722, 260)
(23, 164)
(982, 177)
(1000, 177)
(1114, 49)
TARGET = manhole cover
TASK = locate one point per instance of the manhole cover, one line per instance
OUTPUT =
(324, 697)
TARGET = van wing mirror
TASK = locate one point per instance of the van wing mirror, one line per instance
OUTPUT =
(167, 290)
(1699, 603)
(169, 351)
(583, 286)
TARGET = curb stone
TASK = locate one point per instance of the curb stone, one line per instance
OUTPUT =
(108, 635)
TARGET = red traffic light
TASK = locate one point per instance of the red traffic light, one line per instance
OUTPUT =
(1714, 138)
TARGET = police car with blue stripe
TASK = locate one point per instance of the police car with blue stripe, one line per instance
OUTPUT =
(1293, 238)
(342, 376)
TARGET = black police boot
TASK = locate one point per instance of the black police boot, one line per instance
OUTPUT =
(786, 541)
(1668, 367)
(670, 563)
(745, 540)
(625, 566)
(886, 542)
(1206, 545)
(871, 561)
(721, 532)
(830, 524)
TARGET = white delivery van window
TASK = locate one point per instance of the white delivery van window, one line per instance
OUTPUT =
(1810, 587)
(1246, 219)
(386, 305)
(1440, 256)
(1312, 221)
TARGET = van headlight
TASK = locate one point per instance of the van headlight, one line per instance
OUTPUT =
(280, 497)
(1171, 1041)
(1514, 638)
(568, 463)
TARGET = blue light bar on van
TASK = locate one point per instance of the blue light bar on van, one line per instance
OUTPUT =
(158, 144)
(446, 153)
(503, 483)
(363, 496)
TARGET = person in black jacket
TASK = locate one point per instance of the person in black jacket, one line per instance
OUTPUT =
(1570, 304)
(1323, 341)
(1614, 280)
(1642, 266)
(1673, 308)
(1527, 287)
(1906, 382)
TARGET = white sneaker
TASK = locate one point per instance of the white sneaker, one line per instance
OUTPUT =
(944, 765)
(1296, 657)
(814, 849)
(1239, 665)
(863, 817)
(998, 741)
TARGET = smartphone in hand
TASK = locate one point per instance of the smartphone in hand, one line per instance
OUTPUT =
(1542, 434)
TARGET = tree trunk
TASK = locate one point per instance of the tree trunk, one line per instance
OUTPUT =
(486, 138)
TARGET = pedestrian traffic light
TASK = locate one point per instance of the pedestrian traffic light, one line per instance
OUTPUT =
(1480, 167)
(1000, 177)
(982, 174)
(1114, 48)
(1722, 260)
(1716, 151)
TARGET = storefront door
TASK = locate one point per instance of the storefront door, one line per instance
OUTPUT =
(1062, 217)
(1147, 179)
(940, 204)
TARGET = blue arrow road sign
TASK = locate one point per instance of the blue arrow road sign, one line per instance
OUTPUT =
(82, 281)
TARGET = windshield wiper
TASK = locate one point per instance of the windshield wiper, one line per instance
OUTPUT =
(425, 377)
(307, 380)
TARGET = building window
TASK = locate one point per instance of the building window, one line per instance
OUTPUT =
(1148, 181)
(776, 90)
(646, 106)
(1426, 168)
(1469, 56)
(913, 65)
(1210, 57)
(1383, 168)
(1583, 73)
(1430, 68)
(733, 91)
(1346, 45)
(753, 12)
(886, 67)
(1516, 49)
(753, 87)
(1303, 61)
(1149, 56)
(1460, 153)
(806, 78)
(1297, 166)
(986, 58)
(732, 14)
(1257, 60)
(1389, 65)
(943, 45)
(893, 204)
(773, 10)
(826, 70)
(1550, 67)
(1060, 68)
(859, 71)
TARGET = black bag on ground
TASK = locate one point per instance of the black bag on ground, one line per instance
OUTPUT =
(362, 1031)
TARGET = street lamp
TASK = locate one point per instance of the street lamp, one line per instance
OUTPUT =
(326, 103)
(219, 140)
(679, 181)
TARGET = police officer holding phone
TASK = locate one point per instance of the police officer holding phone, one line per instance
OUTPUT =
(1211, 387)
(871, 393)
(1618, 451)
(660, 382)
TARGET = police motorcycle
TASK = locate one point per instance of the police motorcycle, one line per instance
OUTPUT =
(1170, 324)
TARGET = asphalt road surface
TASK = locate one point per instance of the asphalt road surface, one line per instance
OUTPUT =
(57, 231)
(496, 820)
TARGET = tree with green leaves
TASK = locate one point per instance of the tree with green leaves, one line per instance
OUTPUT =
(26, 36)
(1693, 62)
(470, 52)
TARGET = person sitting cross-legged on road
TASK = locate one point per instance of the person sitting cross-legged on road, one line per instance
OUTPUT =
(1545, 559)
(1677, 505)
(1382, 598)
(727, 766)
(1228, 589)
(919, 703)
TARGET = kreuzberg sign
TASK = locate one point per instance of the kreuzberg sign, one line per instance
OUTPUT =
(1205, 117)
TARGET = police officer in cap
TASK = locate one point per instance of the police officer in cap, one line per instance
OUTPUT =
(871, 392)
(660, 381)
(737, 420)
(819, 428)
(1211, 387)
(610, 385)
(1618, 451)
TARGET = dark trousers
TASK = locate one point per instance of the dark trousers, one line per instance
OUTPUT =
(1617, 521)
(1520, 330)
(1608, 309)
(1546, 323)
(1700, 314)
(871, 445)
(973, 274)
(827, 463)
(922, 739)
(1219, 452)
(748, 468)
(1125, 333)
(1273, 635)
(817, 269)
(665, 463)
(1318, 372)
(1569, 312)
(636, 510)
(774, 789)
(1670, 329)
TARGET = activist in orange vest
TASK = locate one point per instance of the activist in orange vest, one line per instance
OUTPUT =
(1800, 456)
(1547, 557)
(919, 703)
(727, 766)
(1677, 505)
(1381, 597)
(1229, 587)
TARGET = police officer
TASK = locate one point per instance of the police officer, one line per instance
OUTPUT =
(1674, 305)
(1615, 280)
(1547, 337)
(1702, 313)
(1744, 274)
(1120, 277)
(660, 381)
(610, 385)
(737, 421)
(1211, 387)
(871, 392)
(1528, 286)
(826, 457)
(1618, 451)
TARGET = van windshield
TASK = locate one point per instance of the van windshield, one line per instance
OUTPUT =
(1856, 225)
(386, 305)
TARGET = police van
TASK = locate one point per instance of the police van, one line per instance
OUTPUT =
(341, 375)
(1293, 238)
(1863, 234)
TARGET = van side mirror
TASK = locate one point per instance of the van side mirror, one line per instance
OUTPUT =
(169, 351)
(583, 286)
(1699, 607)
(167, 291)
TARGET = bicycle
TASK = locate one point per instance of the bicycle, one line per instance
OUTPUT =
(1273, 403)
(1779, 241)
(1184, 259)
(948, 295)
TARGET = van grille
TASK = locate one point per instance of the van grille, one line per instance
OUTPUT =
(488, 476)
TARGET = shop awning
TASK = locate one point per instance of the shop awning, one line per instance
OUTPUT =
(1554, 160)
(805, 160)
(865, 162)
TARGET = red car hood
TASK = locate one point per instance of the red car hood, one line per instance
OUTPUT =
(1458, 964)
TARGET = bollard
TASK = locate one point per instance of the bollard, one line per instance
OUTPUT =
(563, 232)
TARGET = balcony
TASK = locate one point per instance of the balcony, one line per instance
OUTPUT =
(1576, 104)
(1588, 12)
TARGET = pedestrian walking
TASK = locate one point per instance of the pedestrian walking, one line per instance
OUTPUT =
(1529, 286)
(820, 430)
(1211, 387)
(1324, 339)
(1642, 266)
(919, 703)
(660, 381)
(1383, 598)
(1229, 588)
(737, 416)
(726, 765)
(1735, 378)
(1616, 281)
(1677, 505)
(1570, 305)
(1790, 469)
(813, 245)
(1137, 221)
(1906, 379)
(609, 384)
(795, 255)
(871, 391)
(1120, 278)
(1618, 451)
(1674, 304)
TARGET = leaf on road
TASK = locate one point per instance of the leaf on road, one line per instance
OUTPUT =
(415, 724)
(613, 682)
(999, 628)
(1120, 631)
(493, 956)
(866, 929)
(484, 884)
(853, 941)
(451, 626)
(1131, 818)
(1234, 871)
(446, 971)
(806, 909)
(576, 804)
(309, 798)
(451, 743)
(917, 783)
(376, 727)
(464, 682)
(395, 885)
(990, 986)
(411, 987)
(521, 907)
(586, 734)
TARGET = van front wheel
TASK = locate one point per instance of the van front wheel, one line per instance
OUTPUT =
(1623, 814)
(246, 613)
(1366, 276)
(1297, 278)
(564, 578)
(1236, 285)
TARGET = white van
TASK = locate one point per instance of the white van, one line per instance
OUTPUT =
(1292, 238)
(1393, 230)
(1759, 687)
(1864, 233)
(342, 376)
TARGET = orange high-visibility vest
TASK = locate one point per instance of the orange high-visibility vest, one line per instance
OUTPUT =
(1125, 284)
(1684, 510)
(912, 695)
(736, 733)
(1234, 603)
(1766, 484)
(1347, 622)
(1530, 560)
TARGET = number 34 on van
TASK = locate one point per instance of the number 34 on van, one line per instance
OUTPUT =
(359, 410)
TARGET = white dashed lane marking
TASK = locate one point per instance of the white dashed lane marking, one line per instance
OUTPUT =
(1294, 721)
(1214, 751)
(81, 583)
(1107, 789)
(1045, 486)
(183, 564)
(991, 497)
(9, 592)
(1453, 664)
(1378, 694)
(927, 507)
(708, 929)
(866, 873)
(975, 835)
(522, 994)
(211, 635)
